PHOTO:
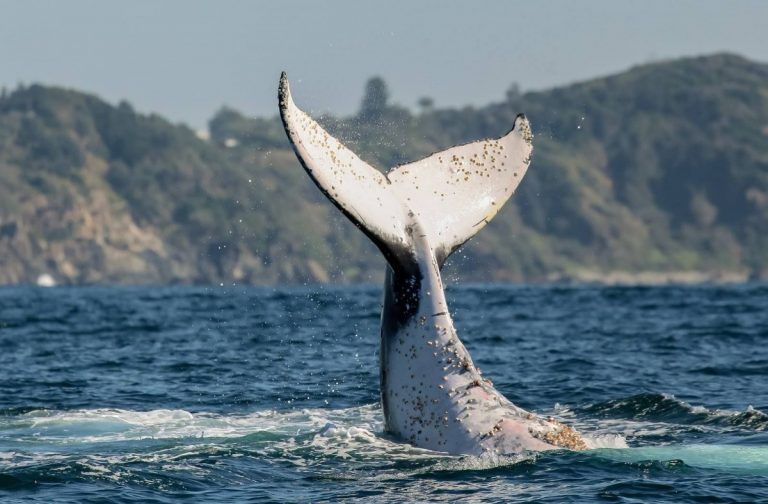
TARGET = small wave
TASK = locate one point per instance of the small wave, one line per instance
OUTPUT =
(749, 368)
(667, 408)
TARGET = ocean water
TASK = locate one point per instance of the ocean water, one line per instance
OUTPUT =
(233, 394)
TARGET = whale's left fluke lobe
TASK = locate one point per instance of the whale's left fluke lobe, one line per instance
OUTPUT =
(360, 191)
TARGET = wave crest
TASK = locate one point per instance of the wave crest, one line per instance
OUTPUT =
(667, 408)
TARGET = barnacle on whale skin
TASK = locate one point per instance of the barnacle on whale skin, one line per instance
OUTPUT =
(563, 436)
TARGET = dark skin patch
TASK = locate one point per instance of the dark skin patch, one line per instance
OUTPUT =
(401, 304)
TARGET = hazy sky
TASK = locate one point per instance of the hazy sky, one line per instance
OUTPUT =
(184, 58)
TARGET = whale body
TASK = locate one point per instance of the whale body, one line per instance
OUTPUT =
(418, 214)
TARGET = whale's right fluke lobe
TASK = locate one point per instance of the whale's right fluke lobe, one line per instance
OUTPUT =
(456, 192)
(448, 196)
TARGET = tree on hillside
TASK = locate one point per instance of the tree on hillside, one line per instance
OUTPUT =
(513, 92)
(375, 99)
(426, 104)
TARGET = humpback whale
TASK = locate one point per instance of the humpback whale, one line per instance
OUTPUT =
(418, 214)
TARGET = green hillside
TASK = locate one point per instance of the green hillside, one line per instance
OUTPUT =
(657, 173)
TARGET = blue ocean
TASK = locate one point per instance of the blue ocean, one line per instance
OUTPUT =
(234, 394)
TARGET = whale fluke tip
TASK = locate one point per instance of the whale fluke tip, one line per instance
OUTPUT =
(523, 128)
(283, 90)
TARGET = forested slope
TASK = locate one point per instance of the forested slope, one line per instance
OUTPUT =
(660, 172)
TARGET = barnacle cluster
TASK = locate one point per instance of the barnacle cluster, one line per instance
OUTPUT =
(563, 436)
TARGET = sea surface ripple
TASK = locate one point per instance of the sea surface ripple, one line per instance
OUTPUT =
(233, 394)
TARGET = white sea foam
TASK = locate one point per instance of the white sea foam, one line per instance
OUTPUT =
(597, 441)
(109, 425)
(340, 429)
(303, 437)
(353, 434)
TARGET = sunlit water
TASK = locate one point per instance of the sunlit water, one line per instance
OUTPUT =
(252, 395)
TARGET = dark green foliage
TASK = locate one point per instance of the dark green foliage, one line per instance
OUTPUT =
(48, 149)
(258, 133)
(375, 99)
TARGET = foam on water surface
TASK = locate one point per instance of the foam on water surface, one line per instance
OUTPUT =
(347, 434)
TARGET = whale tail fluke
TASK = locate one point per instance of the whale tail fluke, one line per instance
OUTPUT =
(449, 196)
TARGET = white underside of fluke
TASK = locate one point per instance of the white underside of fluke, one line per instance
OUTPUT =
(453, 193)
(417, 214)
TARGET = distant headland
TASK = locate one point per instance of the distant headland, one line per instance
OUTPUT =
(658, 174)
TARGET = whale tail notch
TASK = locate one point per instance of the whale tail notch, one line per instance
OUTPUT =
(449, 196)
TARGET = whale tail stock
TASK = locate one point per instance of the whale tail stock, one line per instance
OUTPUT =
(445, 198)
